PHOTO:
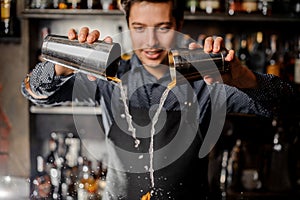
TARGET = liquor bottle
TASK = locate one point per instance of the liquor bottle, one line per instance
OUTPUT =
(295, 7)
(243, 52)
(55, 4)
(192, 6)
(10, 24)
(288, 61)
(274, 65)
(234, 168)
(210, 6)
(266, 7)
(297, 63)
(278, 178)
(41, 183)
(87, 184)
(40, 4)
(258, 54)
(251, 176)
(249, 6)
(76, 4)
(233, 7)
(53, 166)
(94, 4)
(69, 170)
(100, 176)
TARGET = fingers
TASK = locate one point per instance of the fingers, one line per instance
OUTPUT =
(194, 45)
(72, 34)
(93, 36)
(108, 39)
(213, 44)
(84, 35)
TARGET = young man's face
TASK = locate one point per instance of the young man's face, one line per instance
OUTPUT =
(152, 28)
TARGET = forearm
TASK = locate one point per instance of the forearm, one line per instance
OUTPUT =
(270, 90)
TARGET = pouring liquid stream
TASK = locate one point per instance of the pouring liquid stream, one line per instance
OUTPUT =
(153, 122)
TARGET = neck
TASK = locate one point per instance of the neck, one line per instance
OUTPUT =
(158, 71)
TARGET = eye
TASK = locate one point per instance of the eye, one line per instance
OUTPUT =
(163, 29)
(139, 29)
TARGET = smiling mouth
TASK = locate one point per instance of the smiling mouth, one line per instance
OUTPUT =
(153, 54)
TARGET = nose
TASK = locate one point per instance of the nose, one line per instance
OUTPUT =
(152, 39)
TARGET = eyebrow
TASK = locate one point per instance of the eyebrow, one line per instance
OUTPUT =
(159, 24)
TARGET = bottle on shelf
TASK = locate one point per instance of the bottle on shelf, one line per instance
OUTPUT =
(258, 53)
(211, 6)
(295, 7)
(249, 6)
(69, 170)
(10, 24)
(274, 65)
(53, 165)
(297, 62)
(73, 4)
(94, 4)
(192, 6)
(278, 178)
(40, 4)
(234, 168)
(243, 51)
(233, 7)
(88, 185)
(41, 183)
(265, 7)
(251, 178)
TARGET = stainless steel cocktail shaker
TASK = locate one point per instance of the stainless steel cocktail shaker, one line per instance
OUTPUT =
(99, 59)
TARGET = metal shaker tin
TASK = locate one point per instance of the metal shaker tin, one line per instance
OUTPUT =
(99, 59)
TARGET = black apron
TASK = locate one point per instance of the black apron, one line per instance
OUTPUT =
(178, 171)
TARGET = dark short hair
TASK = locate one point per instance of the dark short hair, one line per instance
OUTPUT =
(177, 10)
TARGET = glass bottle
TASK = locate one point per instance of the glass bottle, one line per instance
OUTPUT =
(10, 24)
(297, 62)
(53, 165)
(265, 7)
(273, 66)
(234, 168)
(192, 6)
(278, 178)
(41, 183)
(76, 4)
(210, 6)
(295, 4)
(258, 54)
(70, 167)
(243, 52)
(233, 7)
(88, 186)
(251, 173)
(249, 6)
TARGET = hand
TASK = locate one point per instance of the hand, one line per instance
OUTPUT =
(239, 76)
(84, 35)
